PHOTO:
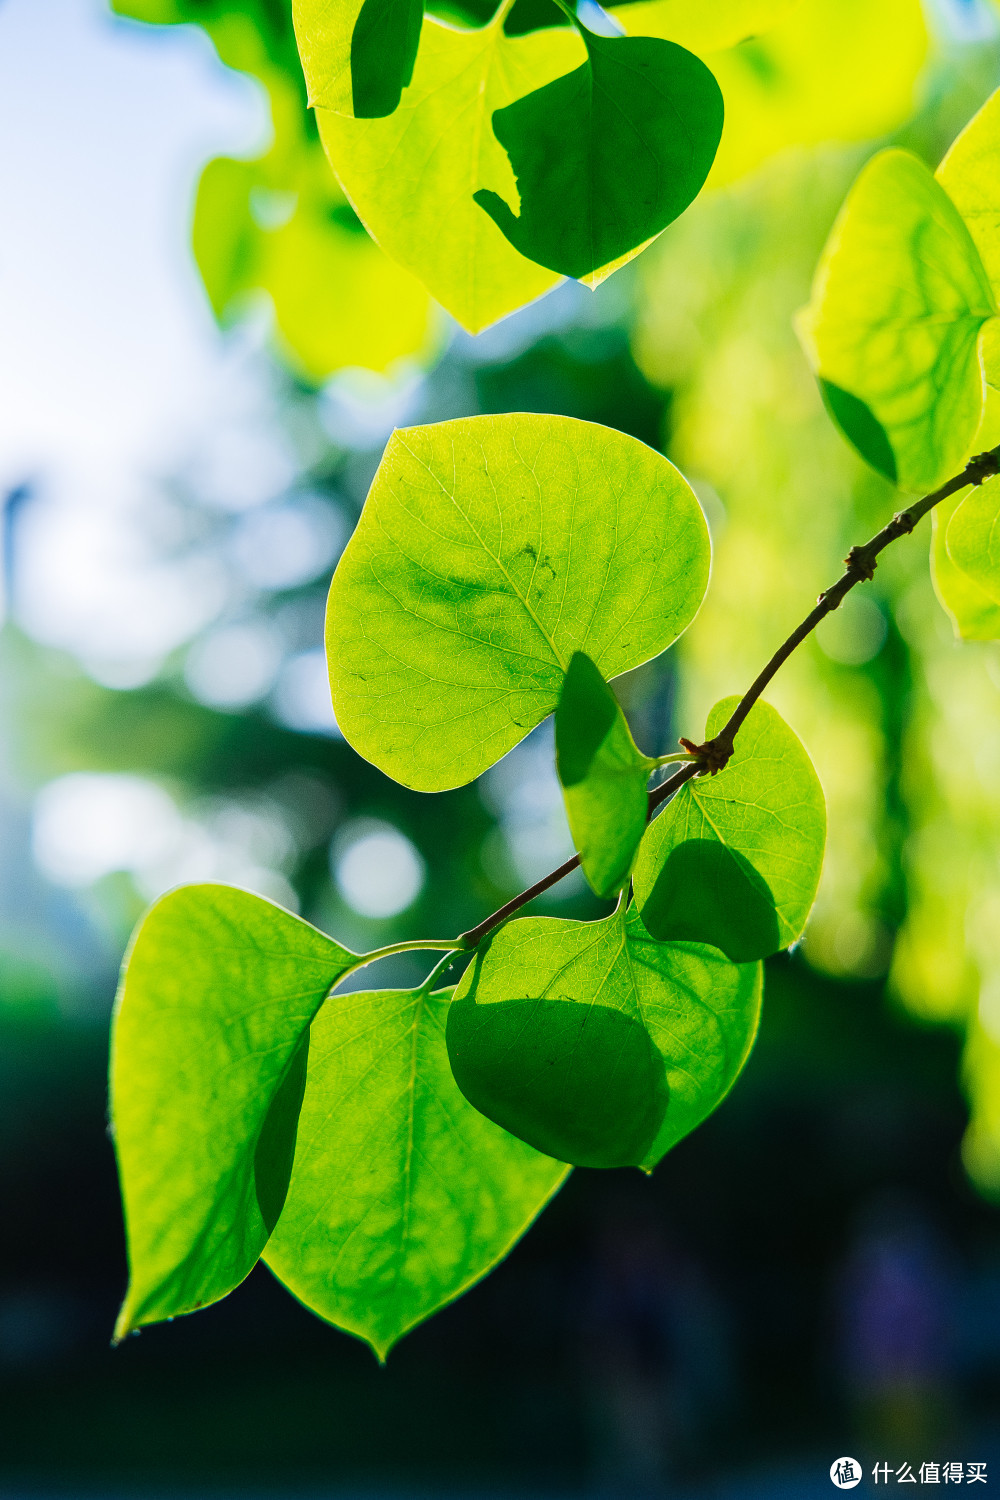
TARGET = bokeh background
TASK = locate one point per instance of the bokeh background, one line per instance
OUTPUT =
(201, 356)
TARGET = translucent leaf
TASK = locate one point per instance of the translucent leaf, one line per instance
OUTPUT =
(974, 614)
(603, 776)
(208, 1052)
(968, 175)
(973, 538)
(701, 29)
(899, 299)
(608, 155)
(411, 176)
(534, 1041)
(735, 859)
(401, 1195)
(488, 551)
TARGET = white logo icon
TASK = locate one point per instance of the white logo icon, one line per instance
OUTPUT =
(845, 1473)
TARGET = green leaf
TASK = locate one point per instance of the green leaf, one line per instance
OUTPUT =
(968, 175)
(973, 537)
(402, 1195)
(208, 1051)
(609, 155)
(603, 776)
(488, 551)
(974, 614)
(411, 176)
(734, 860)
(899, 299)
(533, 1043)
(384, 46)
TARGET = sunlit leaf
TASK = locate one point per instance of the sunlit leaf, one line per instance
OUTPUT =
(411, 176)
(603, 776)
(735, 859)
(899, 299)
(545, 1035)
(608, 155)
(973, 538)
(968, 175)
(207, 1066)
(401, 1195)
(974, 615)
(701, 29)
(488, 551)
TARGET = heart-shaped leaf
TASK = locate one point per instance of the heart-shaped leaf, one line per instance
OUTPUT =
(401, 1194)
(488, 551)
(603, 776)
(207, 1068)
(555, 1069)
(734, 860)
(898, 303)
(608, 155)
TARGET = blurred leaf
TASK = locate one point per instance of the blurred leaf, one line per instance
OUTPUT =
(735, 859)
(401, 1195)
(974, 615)
(255, 36)
(384, 46)
(638, 103)
(603, 776)
(411, 176)
(701, 28)
(968, 175)
(488, 551)
(208, 1051)
(973, 538)
(899, 299)
(554, 1066)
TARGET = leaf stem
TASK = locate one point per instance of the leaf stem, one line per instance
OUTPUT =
(712, 756)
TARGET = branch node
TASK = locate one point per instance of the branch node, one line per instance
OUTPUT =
(983, 466)
(713, 753)
(858, 561)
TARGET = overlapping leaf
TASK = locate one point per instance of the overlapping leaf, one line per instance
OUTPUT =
(208, 1063)
(489, 550)
(973, 538)
(899, 301)
(603, 777)
(735, 859)
(974, 615)
(401, 1195)
(596, 1043)
(636, 100)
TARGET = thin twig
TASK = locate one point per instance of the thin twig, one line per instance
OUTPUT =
(714, 754)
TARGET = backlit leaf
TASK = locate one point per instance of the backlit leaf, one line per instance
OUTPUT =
(488, 551)
(974, 615)
(384, 46)
(401, 1195)
(207, 1066)
(603, 776)
(533, 1041)
(735, 859)
(973, 537)
(608, 155)
(899, 299)
(968, 175)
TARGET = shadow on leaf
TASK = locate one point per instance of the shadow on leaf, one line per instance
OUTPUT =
(707, 893)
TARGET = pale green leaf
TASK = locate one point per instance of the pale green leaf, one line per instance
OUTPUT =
(735, 859)
(603, 777)
(968, 175)
(974, 614)
(973, 537)
(702, 29)
(533, 1041)
(899, 299)
(401, 1195)
(488, 551)
(218, 990)
(411, 176)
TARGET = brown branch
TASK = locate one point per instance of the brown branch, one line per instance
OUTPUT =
(714, 754)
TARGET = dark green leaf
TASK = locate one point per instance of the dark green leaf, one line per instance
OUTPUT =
(603, 776)
(609, 155)
(383, 51)
(207, 1066)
